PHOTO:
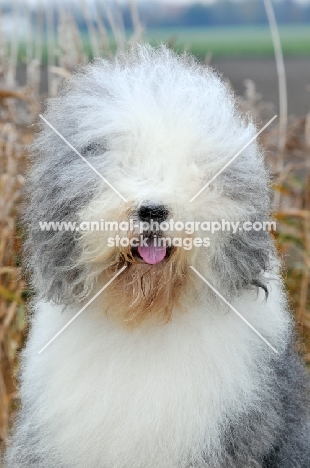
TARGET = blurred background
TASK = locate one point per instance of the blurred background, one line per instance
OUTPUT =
(262, 49)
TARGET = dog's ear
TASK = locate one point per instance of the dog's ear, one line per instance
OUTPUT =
(59, 186)
(242, 258)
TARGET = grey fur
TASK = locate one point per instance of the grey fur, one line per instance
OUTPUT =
(53, 195)
(276, 437)
(242, 258)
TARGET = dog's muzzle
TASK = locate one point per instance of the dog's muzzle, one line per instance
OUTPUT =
(152, 248)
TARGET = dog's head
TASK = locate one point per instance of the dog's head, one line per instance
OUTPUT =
(157, 127)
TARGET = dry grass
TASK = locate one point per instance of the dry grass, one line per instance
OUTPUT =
(290, 167)
(292, 193)
(19, 109)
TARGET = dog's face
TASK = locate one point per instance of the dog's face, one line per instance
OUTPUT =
(158, 128)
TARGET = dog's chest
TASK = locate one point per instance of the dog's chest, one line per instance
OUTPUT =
(144, 399)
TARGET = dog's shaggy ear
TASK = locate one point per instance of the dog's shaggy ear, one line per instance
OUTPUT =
(242, 261)
(243, 257)
(60, 184)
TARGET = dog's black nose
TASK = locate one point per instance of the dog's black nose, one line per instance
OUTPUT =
(157, 213)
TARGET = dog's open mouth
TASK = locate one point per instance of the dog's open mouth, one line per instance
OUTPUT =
(152, 251)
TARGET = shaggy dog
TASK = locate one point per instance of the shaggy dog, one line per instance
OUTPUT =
(158, 371)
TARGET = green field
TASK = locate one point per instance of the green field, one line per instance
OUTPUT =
(239, 41)
(236, 41)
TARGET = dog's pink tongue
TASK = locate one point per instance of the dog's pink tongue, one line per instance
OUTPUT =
(152, 254)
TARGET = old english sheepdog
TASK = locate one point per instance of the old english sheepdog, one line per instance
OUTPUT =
(182, 354)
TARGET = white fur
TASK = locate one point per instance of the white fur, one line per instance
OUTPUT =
(153, 397)
(160, 395)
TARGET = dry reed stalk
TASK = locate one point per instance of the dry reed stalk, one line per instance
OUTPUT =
(252, 103)
(29, 39)
(4, 56)
(120, 22)
(34, 59)
(71, 51)
(138, 27)
(102, 30)
(274, 30)
(293, 219)
(92, 33)
(307, 132)
(302, 314)
(11, 286)
(117, 32)
(208, 58)
(38, 45)
(52, 81)
(11, 74)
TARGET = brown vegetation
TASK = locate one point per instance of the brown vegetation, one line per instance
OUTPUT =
(20, 106)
